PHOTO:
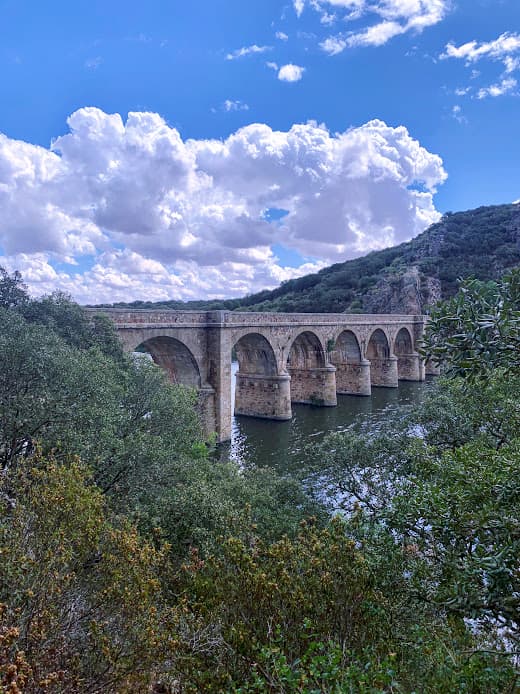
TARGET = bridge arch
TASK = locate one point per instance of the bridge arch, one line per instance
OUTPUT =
(313, 381)
(383, 364)
(175, 358)
(352, 371)
(378, 346)
(255, 355)
(260, 391)
(306, 352)
(403, 343)
(347, 349)
(408, 361)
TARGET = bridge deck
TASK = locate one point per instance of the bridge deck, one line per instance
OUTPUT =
(143, 318)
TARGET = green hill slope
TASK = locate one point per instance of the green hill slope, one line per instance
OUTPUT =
(481, 243)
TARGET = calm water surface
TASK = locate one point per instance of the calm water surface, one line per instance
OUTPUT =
(282, 445)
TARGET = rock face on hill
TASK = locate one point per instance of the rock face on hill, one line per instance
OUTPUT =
(482, 243)
(408, 292)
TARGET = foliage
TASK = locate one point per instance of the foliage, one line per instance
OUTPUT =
(81, 401)
(263, 593)
(463, 509)
(324, 613)
(444, 477)
(68, 320)
(81, 601)
(479, 329)
(34, 385)
(205, 501)
(13, 292)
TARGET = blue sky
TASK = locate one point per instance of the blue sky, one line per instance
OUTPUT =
(178, 204)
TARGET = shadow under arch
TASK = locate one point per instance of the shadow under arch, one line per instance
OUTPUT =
(378, 345)
(403, 343)
(383, 365)
(352, 371)
(175, 358)
(313, 381)
(306, 352)
(255, 355)
(346, 349)
(260, 391)
(408, 361)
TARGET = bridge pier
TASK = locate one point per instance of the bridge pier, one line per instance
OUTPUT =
(207, 410)
(219, 373)
(268, 397)
(432, 369)
(353, 379)
(409, 367)
(383, 372)
(314, 386)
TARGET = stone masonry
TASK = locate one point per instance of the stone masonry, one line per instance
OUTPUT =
(283, 357)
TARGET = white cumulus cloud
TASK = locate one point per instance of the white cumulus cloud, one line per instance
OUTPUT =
(123, 209)
(290, 73)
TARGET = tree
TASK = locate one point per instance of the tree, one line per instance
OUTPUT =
(479, 329)
(13, 292)
(322, 612)
(462, 509)
(69, 320)
(124, 417)
(81, 607)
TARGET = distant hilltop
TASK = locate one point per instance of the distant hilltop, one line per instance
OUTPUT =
(408, 278)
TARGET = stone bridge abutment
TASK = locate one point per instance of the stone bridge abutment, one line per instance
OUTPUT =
(283, 358)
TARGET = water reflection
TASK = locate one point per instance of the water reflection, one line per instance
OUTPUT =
(282, 445)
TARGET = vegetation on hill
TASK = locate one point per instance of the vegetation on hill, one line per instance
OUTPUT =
(131, 561)
(408, 278)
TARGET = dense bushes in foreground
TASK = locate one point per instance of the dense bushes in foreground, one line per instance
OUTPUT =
(89, 605)
(131, 561)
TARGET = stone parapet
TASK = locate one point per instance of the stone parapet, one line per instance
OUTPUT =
(128, 318)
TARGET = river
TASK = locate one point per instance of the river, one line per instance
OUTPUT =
(282, 445)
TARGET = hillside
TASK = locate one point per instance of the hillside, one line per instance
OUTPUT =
(481, 243)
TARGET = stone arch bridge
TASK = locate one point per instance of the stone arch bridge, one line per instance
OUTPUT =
(283, 357)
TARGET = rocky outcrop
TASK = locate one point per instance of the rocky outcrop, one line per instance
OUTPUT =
(409, 292)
